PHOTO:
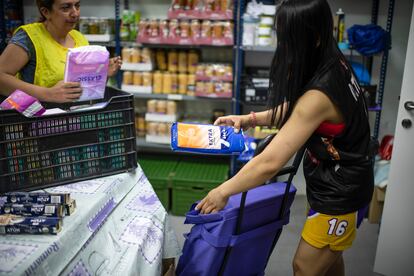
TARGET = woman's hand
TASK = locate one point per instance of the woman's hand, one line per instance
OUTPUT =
(62, 92)
(114, 65)
(213, 202)
(236, 121)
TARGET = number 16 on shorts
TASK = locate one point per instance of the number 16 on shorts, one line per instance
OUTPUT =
(337, 227)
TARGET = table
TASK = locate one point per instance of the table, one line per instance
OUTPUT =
(119, 228)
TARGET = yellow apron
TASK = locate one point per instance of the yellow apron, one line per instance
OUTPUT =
(50, 55)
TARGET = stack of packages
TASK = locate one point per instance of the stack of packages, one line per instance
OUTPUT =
(34, 213)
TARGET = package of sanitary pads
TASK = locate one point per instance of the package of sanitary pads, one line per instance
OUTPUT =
(23, 103)
(209, 139)
(89, 66)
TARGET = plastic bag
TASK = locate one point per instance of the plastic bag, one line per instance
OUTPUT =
(368, 39)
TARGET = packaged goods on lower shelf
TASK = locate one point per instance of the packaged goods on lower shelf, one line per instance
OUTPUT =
(13, 224)
(209, 139)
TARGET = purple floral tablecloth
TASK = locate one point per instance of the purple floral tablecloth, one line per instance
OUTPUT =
(118, 228)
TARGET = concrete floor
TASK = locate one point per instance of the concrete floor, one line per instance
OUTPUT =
(359, 260)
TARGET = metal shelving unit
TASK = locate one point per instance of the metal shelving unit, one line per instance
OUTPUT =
(350, 52)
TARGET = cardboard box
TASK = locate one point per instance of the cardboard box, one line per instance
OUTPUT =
(376, 205)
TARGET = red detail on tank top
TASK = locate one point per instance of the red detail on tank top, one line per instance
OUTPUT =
(329, 129)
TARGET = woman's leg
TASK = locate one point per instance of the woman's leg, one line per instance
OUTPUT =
(312, 261)
(338, 268)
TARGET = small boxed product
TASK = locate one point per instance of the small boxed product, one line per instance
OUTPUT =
(32, 209)
(23, 103)
(202, 138)
(22, 197)
(13, 224)
(89, 66)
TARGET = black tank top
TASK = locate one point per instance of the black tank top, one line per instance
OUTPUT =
(338, 167)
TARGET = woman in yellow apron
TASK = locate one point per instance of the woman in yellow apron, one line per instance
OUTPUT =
(34, 61)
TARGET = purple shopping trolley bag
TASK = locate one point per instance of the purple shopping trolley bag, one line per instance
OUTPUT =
(213, 234)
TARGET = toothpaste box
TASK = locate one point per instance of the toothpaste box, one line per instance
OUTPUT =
(89, 66)
(13, 224)
(26, 197)
(32, 209)
(209, 139)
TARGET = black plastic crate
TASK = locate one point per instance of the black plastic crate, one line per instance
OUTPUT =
(59, 149)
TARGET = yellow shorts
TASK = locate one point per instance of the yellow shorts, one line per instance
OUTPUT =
(337, 232)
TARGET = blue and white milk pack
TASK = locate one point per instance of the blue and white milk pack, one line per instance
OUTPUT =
(209, 139)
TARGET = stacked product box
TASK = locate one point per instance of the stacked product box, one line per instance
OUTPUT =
(34, 213)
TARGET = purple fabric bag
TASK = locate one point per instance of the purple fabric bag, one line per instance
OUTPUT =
(206, 244)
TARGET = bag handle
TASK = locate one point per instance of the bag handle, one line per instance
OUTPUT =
(194, 216)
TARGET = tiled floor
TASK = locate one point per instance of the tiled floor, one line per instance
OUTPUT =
(359, 260)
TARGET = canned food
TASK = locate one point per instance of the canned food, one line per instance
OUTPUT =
(182, 83)
(172, 61)
(152, 128)
(193, 58)
(135, 55)
(206, 29)
(174, 83)
(84, 25)
(157, 82)
(161, 60)
(184, 29)
(161, 107)
(137, 78)
(147, 79)
(93, 25)
(217, 30)
(104, 26)
(162, 129)
(127, 78)
(182, 62)
(146, 55)
(126, 54)
(167, 83)
(151, 106)
(191, 81)
(171, 107)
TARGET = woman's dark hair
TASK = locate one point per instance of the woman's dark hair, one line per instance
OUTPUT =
(305, 42)
(48, 4)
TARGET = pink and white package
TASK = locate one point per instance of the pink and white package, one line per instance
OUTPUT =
(23, 103)
(89, 66)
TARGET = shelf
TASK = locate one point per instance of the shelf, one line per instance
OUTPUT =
(141, 67)
(164, 140)
(161, 118)
(200, 15)
(129, 44)
(270, 49)
(178, 97)
(97, 38)
(136, 89)
(143, 145)
(178, 46)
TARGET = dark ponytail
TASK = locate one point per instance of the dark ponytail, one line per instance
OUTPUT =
(48, 4)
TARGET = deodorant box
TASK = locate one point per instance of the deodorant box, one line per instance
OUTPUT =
(207, 139)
